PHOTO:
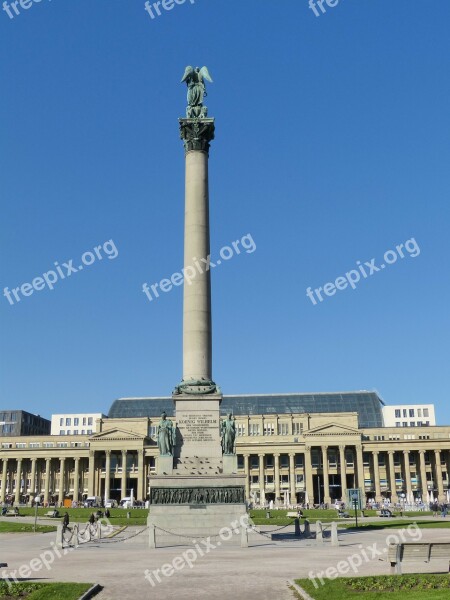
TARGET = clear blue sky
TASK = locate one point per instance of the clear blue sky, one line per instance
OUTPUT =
(332, 146)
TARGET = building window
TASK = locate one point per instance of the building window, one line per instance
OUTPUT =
(412, 424)
(284, 461)
(397, 424)
(68, 422)
(240, 429)
(240, 460)
(84, 420)
(268, 479)
(426, 412)
(61, 432)
(254, 462)
(269, 429)
(299, 479)
(21, 445)
(405, 424)
(405, 413)
(269, 461)
(89, 431)
(76, 422)
(299, 460)
(419, 412)
(397, 413)
(61, 422)
(253, 429)
(411, 412)
(254, 479)
(297, 428)
(90, 420)
(68, 432)
(75, 432)
(283, 429)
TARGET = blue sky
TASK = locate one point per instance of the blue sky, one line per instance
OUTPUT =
(332, 146)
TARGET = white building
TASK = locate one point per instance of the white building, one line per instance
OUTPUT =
(75, 424)
(409, 415)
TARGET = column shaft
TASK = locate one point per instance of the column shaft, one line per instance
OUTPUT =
(360, 470)
(197, 353)
(4, 479)
(262, 487)
(276, 459)
(62, 463)
(247, 477)
(309, 485)
(107, 475)
(292, 478)
(393, 484)
(407, 475)
(124, 474)
(423, 476)
(440, 484)
(376, 476)
(47, 480)
(91, 473)
(326, 477)
(343, 473)
(140, 485)
(33, 485)
(18, 480)
(76, 480)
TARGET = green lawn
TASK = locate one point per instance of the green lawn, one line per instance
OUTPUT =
(43, 591)
(18, 527)
(388, 587)
(118, 515)
(278, 517)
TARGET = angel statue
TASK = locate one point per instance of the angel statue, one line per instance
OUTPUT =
(194, 79)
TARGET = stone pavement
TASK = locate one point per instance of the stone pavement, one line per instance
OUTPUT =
(259, 572)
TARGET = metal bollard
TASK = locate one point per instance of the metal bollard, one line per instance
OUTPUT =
(319, 532)
(151, 536)
(297, 527)
(307, 525)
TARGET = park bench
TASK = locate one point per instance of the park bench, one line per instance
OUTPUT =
(412, 552)
(11, 513)
(292, 515)
(52, 514)
(342, 514)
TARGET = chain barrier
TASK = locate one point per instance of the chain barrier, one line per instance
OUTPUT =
(117, 540)
(189, 537)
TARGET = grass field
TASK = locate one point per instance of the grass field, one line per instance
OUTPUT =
(43, 591)
(18, 527)
(118, 515)
(389, 587)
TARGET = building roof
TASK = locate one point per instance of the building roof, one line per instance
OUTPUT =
(368, 405)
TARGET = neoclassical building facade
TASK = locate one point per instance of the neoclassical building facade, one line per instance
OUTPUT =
(287, 456)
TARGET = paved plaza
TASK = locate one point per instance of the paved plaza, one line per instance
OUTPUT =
(259, 572)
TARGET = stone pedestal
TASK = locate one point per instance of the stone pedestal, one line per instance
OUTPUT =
(229, 464)
(164, 465)
(198, 426)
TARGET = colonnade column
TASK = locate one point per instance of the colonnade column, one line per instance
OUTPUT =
(276, 458)
(343, 473)
(407, 475)
(33, 486)
(423, 476)
(308, 475)
(376, 475)
(326, 477)
(360, 471)
(76, 480)
(18, 480)
(47, 480)
(140, 485)
(91, 473)
(437, 455)
(247, 477)
(4, 478)
(393, 485)
(107, 474)
(262, 490)
(292, 478)
(123, 485)
(62, 462)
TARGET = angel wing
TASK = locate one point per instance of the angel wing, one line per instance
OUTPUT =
(205, 74)
(188, 71)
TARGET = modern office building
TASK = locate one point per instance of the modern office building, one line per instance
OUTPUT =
(21, 422)
(75, 424)
(409, 415)
(292, 448)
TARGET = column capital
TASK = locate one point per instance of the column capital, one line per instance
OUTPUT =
(124, 452)
(77, 459)
(308, 448)
(33, 459)
(422, 452)
(342, 447)
(437, 451)
(291, 454)
(261, 455)
(276, 454)
(140, 452)
(197, 134)
(48, 460)
(108, 452)
(91, 453)
(324, 447)
(406, 452)
(375, 452)
(391, 452)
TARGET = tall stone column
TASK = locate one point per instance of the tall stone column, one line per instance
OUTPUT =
(197, 343)
(276, 461)
(309, 485)
(4, 479)
(360, 470)
(262, 487)
(247, 476)
(326, 477)
(376, 475)
(393, 485)
(91, 473)
(123, 485)
(48, 462)
(292, 478)
(33, 485)
(76, 480)
(18, 480)
(62, 464)
(343, 473)
(140, 483)
(107, 474)
(423, 476)
(407, 471)
(440, 485)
